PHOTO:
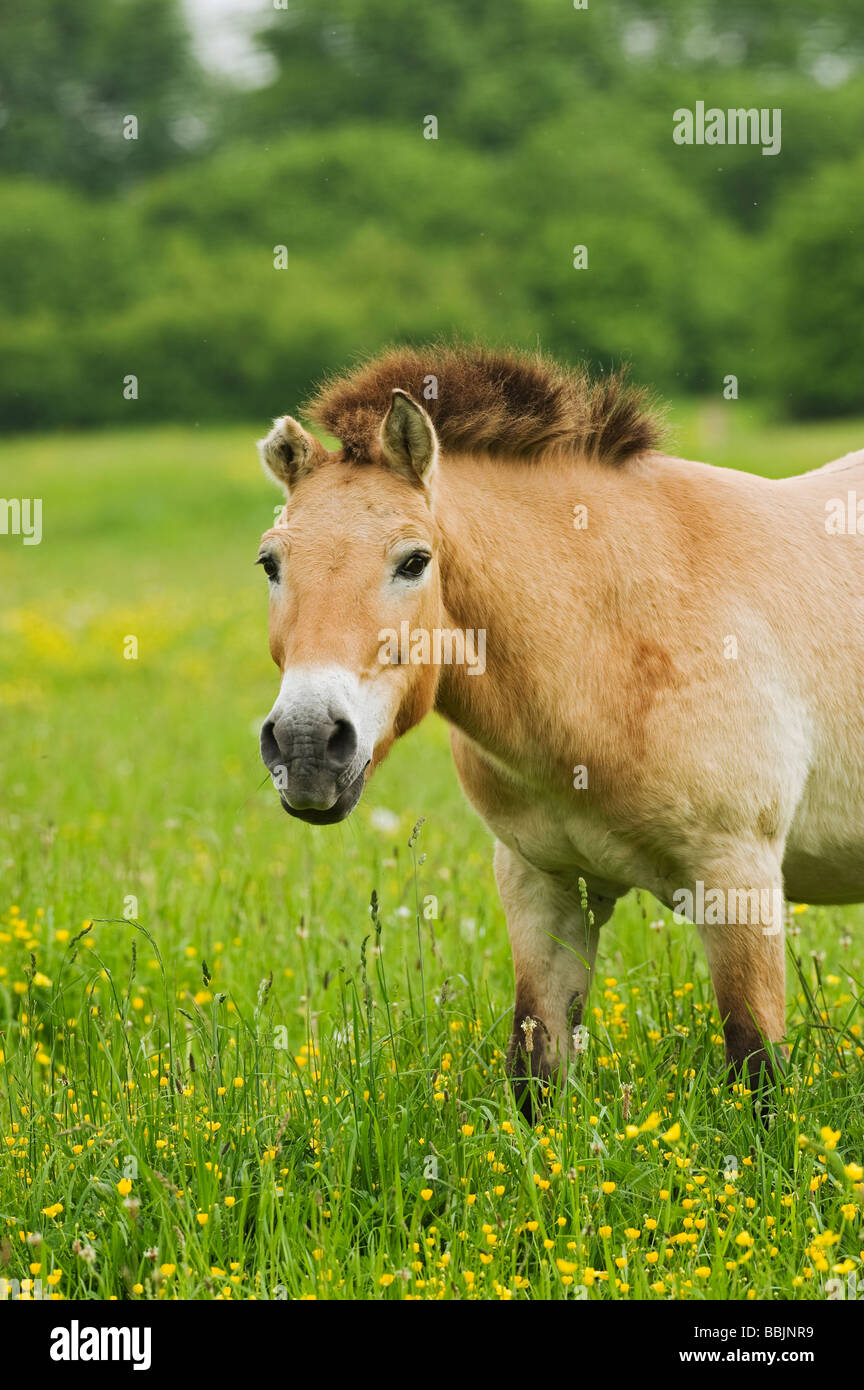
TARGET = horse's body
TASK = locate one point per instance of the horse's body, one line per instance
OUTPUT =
(674, 685)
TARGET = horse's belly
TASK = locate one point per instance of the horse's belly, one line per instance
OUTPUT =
(835, 878)
(824, 858)
(577, 846)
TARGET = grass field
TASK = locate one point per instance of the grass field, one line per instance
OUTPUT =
(262, 1087)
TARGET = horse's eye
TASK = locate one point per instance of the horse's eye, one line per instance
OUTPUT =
(413, 567)
(271, 569)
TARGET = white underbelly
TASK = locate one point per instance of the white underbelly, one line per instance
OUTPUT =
(824, 859)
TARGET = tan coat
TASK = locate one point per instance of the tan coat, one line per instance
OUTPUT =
(673, 693)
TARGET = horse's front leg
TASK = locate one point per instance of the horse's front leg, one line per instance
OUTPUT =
(554, 942)
(746, 956)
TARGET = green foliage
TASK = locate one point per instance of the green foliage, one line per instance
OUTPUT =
(554, 131)
(818, 279)
(69, 74)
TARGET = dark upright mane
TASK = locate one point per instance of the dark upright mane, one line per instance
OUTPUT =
(518, 404)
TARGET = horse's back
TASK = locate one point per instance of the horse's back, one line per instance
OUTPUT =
(853, 460)
(850, 465)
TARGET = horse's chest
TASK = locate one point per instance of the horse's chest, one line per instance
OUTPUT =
(555, 836)
(567, 844)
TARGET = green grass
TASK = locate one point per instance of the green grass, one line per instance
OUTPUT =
(321, 1082)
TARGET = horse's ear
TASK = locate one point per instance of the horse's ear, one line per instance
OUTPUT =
(408, 439)
(289, 452)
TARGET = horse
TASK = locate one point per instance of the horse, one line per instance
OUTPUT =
(672, 692)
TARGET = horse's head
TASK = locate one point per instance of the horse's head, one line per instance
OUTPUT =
(353, 557)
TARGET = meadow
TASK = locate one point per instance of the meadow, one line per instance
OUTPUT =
(241, 1057)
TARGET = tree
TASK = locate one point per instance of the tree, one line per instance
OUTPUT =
(71, 73)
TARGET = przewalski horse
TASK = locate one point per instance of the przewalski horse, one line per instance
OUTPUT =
(673, 693)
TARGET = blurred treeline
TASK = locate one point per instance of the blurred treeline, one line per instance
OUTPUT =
(155, 256)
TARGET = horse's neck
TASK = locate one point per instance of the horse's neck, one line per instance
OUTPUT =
(556, 592)
(507, 537)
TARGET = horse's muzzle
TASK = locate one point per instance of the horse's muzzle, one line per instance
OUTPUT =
(340, 810)
(316, 765)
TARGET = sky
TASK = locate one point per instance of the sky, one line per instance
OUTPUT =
(221, 30)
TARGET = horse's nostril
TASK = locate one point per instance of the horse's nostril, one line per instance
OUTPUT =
(271, 753)
(342, 743)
